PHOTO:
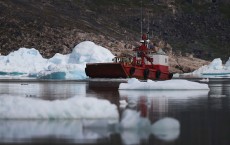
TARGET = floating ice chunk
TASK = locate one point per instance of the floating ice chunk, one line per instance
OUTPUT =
(133, 81)
(73, 108)
(179, 84)
(176, 75)
(204, 80)
(214, 69)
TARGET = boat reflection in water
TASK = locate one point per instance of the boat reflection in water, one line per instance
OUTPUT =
(155, 105)
(159, 104)
(158, 101)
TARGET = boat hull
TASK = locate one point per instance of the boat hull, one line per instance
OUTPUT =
(122, 70)
(105, 70)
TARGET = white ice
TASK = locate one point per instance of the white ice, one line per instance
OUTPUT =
(37, 118)
(135, 84)
(29, 62)
(14, 107)
(215, 69)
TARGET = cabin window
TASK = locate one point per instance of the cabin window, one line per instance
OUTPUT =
(166, 60)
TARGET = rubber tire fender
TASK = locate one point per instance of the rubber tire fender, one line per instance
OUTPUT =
(132, 71)
(146, 74)
(170, 75)
(158, 74)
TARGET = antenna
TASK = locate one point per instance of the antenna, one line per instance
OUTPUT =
(148, 21)
(141, 17)
(148, 25)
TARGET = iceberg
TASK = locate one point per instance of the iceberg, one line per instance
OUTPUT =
(227, 64)
(22, 61)
(214, 69)
(88, 51)
(27, 62)
(179, 84)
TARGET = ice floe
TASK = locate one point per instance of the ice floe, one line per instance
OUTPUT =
(14, 107)
(177, 84)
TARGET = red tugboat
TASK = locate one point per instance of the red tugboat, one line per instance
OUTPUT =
(145, 64)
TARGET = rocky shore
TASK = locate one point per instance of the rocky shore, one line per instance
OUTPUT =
(191, 33)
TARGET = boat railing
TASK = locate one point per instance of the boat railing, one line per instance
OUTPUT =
(120, 59)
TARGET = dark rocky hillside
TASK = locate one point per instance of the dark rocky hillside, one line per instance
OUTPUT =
(194, 28)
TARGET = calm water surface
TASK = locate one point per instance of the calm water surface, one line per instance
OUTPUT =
(204, 116)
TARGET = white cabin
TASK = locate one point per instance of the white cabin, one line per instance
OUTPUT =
(159, 58)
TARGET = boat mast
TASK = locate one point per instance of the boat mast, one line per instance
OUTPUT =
(141, 17)
(148, 26)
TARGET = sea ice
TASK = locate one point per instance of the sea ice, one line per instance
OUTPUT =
(159, 99)
(13, 107)
(135, 84)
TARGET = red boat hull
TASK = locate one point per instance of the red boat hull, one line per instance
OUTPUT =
(122, 70)
(105, 70)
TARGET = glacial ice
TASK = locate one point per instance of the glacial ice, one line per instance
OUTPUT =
(27, 62)
(215, 69)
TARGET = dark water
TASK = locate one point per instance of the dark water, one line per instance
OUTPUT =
(204, 116)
